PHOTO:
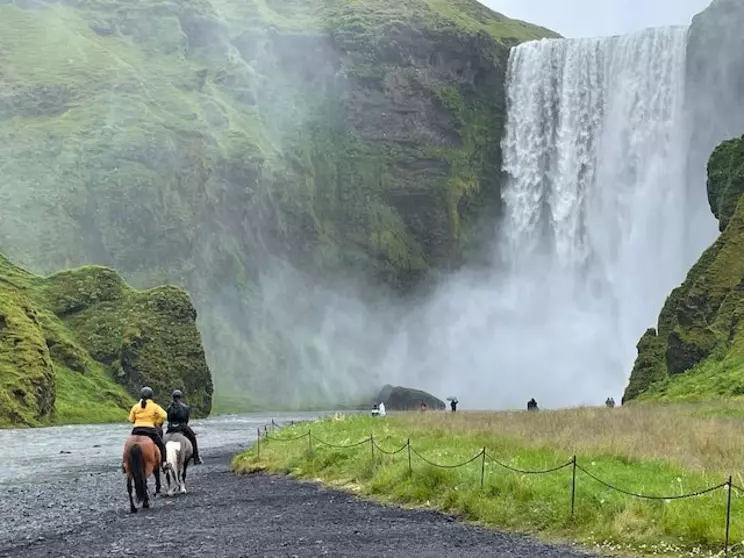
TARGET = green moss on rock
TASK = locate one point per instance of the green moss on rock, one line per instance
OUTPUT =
(701, 339)
(78, 345)
(726, 180)
(197, 142)
(649, 367)
(27, 387)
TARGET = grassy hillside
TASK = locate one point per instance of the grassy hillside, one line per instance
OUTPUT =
(217, 144)
(77, 346)
(697, 351)
(651, 449)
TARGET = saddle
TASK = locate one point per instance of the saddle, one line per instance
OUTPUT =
(176, 427)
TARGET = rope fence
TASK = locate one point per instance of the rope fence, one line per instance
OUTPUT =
(484, 456)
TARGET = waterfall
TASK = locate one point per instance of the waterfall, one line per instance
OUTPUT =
(594, 234)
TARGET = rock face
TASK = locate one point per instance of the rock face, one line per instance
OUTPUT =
(78, 345)
(697, 350)
(714, 90)
(398, 398)
(693, 351)
(216, 143)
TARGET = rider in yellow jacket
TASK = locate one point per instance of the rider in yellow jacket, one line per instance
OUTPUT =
(146, 415)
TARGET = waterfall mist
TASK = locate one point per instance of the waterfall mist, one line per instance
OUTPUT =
(594, 233)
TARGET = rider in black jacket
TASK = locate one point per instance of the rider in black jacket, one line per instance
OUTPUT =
(178, 421)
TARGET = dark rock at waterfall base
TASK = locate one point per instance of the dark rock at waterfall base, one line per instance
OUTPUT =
(397, 398)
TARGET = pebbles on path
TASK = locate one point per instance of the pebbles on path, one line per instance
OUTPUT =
(227, 516)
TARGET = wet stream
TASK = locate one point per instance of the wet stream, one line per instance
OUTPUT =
(49, 453)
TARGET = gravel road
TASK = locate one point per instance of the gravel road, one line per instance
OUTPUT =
(85, 514)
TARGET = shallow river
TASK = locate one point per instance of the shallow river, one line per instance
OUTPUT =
(29, 455)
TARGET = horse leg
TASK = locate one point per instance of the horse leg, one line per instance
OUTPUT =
(183, 477)
(132, 508)
(157, 480)
(146, 503)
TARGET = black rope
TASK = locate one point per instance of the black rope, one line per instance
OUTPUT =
(525, 472)
(404, 446)
(292, 439)
(650, 497)
(468, 462)
(354, 445)
(509, 467)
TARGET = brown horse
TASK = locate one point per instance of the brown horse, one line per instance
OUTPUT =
(141, 459)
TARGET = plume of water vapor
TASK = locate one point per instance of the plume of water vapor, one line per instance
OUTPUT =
(593, 236)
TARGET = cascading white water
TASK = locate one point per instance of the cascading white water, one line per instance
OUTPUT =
(593, 238)
(595, 151)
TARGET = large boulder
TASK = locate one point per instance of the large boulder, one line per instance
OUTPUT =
(397, 398)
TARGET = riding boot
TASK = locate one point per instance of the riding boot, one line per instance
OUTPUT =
(197, 459)
(163, 459)
(161, 446)
(189, 433)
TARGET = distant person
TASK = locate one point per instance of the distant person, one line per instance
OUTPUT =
(178, 421)
(375, 410)
(453, 405)
(610, 402)
(381, 409)
(423, 405)
(532, 405)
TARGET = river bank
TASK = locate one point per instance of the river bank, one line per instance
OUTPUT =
(653, 450)
(56, 504)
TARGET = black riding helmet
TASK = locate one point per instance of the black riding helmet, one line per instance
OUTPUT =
(146, 393)
(176, 394)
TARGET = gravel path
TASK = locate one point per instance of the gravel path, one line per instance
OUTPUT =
(227, 516)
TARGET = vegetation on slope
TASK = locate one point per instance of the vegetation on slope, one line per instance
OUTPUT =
(200, 142)
(697, 351)
(77, 346)
(658, 450)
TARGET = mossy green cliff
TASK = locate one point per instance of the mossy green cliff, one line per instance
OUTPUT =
(697, 350)
(78, 345)
(215, 144)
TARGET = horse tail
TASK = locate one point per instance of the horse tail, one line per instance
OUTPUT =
(136, 468)
(173, 451)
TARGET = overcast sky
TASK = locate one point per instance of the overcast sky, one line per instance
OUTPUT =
(591, 18)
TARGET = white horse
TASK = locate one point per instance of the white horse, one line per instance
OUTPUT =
(178, 452)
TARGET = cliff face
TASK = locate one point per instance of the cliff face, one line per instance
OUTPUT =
(78, 345)
(697, 351)
(218, 144)
(714, 89)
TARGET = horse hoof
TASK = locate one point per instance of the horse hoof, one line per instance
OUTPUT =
(183, 491)
(146, 505)
(133, 510)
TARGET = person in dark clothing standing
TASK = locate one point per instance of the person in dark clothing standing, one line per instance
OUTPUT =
(178, 421)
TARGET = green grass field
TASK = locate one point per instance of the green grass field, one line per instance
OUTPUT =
(651, 449)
